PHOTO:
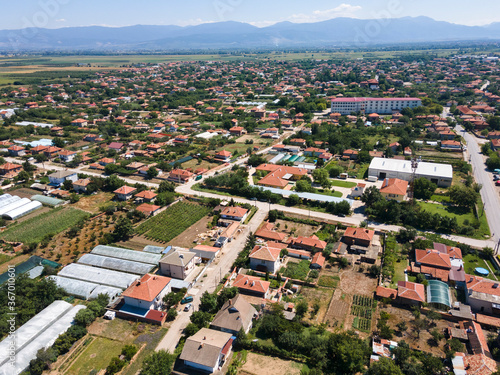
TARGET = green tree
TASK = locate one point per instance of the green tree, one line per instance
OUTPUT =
(371, 196)
(302, 308)
(320, 176)
(201, 318)
(423, 188)
(123, 229)
(85, 317)
(384, 366)
(208, 302)
(462, 196)
(152, 172)
(166, 186)
(158, 363)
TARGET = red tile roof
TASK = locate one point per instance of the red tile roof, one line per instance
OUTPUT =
(360, 233)
(147, 288)
(394, 186)
(125, 190)
(433, 258)
(251, 283)
(412, 291)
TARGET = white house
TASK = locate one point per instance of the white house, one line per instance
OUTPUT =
(147, 293)
(58, 178)
(177, 264)
(358, 190)
(265, 258)
(234, 213)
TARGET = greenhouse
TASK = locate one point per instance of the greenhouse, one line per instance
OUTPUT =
(39, 332)
(112, 293)
(438, 293)
(21, 211)
(96, 275)
(48, 201)
(115, 264)
(136, 256)
(77, 288)
(153, 249)
(13, 205)
(4, 197)
(8, 200)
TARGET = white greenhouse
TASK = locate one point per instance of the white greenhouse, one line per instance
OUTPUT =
(96, 275)
(132, 255)
(23, 210)
(115, 264)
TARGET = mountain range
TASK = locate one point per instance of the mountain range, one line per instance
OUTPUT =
(337, 32)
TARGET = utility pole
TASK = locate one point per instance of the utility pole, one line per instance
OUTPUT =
(414, 166)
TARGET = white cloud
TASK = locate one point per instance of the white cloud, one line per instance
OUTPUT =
(343, 10)
(61, 20)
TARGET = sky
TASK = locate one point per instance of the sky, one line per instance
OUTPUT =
(115, 13)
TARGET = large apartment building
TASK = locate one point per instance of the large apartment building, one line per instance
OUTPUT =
(346, 106)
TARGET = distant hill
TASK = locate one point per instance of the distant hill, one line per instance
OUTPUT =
(331, 33)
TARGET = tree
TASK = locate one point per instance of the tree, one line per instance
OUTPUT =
(371, 196)
(293, 200)
(423, 188)
(200, 318)
(158, 363)
(462, 196)
(166, 186)
(335, 171)
(85, 317)
(343, 262)
(256, 160)
(402, 326)
(152, 172)
(171, 314)
(347, 354)
(302, 308)
(123, 229)
(320, 176)
(384, 366)
(23, 176)
(208, 302)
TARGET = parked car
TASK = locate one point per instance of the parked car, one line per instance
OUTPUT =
(496, 177)
(187, 300)
(187, 307)
(497, 182)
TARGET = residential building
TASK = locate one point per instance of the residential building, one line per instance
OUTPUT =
(483, 295)
(410, 293)
(178, 264)
(235, 315)
(148, 209)
(180, 176)
(312, 243)
(205, 253)
(80, 186)
(358, 236)
(147, 293)
(224, 156)
(252, 286)
(58, 178)
(10, 168)
(279, 176)
(207, 350)
(358, 190)
(66, 156)
(318, 261)
(265, 258)
(267, 232)
(146, 196)
(394, 189)
(234, 213)
(124, 193)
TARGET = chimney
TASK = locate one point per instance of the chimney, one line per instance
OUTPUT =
(230, 302)
(204, 337)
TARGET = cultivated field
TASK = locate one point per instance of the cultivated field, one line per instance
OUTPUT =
(172, 222)
(36, 228)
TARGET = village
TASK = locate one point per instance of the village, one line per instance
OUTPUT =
(235, 218)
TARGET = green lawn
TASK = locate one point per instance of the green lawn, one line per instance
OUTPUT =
(399, 272)
(440, 198)
(297, 270)
(37, 227)
(362, 171)
(344, 184)
(460, 214)
(96, 357)
(471, 261)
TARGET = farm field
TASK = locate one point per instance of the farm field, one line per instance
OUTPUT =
(36, 228)
(362, 310)
(172, 222)
(297, 270)
(266, 365)
(96, 356)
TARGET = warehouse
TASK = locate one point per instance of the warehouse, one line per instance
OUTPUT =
(100, 276)
(115, 264)
(439, 174)
(132, 255)
(39, 332)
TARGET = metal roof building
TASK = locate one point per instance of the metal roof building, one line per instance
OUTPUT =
(132, 255)
(115, 264)
(438, 293)
(309, 196)
(440, 174)
(39, 332)
(96, 275)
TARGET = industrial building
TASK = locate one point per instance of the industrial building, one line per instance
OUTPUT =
(439, 174)
(346, 106)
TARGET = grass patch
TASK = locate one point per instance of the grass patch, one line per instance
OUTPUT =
(173, 221)
(471, 261)
(297, 270)
(327, 281)
(440, 198)
(344, 184)
(96, 357)
(36, 228)
(5, 258)
(399, 271)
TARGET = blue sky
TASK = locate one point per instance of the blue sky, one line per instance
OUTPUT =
(64, 13)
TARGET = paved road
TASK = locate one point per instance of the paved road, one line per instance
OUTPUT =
(485, 86)
(489, 193)
(216, 270)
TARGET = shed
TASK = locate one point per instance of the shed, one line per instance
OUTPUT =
(438, 293)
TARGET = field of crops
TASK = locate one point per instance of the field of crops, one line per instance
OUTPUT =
(37, 227)
(362, 308)
(172, 222)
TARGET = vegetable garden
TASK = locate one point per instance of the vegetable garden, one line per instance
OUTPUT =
(362, 309)
(172, 222)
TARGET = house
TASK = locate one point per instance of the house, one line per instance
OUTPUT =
(358, 236)
(237, 130)
(205, 253)
(79, 122)
(451, 146)
(52, 151)
(80, 186)
(146, 196)
(10, 168)
(224, 156)
(148, 209)
(16, 150)
(483, 295)
(394, 189)
(143, 299)
(66, 156)
(267, 232)
(437, 265)
(234, 213)
(117, 146)
(265, 258)
(394, 147)
(38, 149)
(124, 193)
(279, 175)
(318, 261)
(58, 178)
(252, 286)
(350, 154)
(178, 264)
(312, 243)
(358, 190)
(410, 293)
(235, 315)
(106, 161)
(227, 235)
(180, 176)
(207, 350)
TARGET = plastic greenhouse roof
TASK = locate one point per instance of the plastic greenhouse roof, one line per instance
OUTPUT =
(136, 256)
(23, 210)
(77, 288)
(153, 249)
(96, 275)
(49, 201)
(438, 292)
(109, 290)
(115, 264)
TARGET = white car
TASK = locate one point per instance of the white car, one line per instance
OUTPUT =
(187, 307)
